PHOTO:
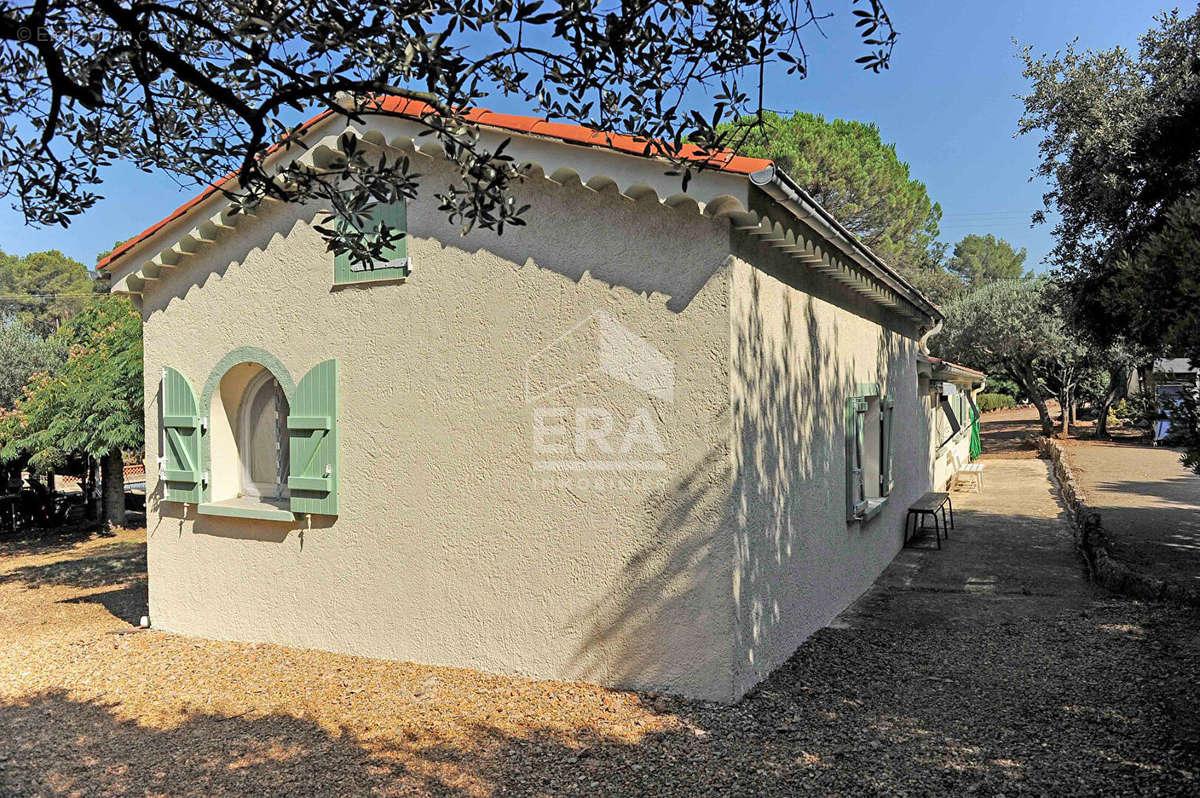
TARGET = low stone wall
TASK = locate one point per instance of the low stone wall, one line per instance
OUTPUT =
(1093, 543)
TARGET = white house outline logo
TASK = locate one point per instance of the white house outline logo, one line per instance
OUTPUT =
(620, 354)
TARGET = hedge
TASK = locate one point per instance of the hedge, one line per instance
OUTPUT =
(995, 401)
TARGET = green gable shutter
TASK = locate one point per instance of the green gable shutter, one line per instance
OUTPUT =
(395, 216)
(180, 472)
(856, 412)
(886, 480)
(313, 441)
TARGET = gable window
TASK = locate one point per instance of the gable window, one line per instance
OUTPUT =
(394, 217)
(255, 445)
(868, 452)
(262, 438)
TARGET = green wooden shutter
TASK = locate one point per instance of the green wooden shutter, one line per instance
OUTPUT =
(180, 472)
(313, 441)
(856, 416)
(395, 216)
(886, 479)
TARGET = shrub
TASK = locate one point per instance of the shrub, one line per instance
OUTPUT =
(1138, 410)
(995, 401)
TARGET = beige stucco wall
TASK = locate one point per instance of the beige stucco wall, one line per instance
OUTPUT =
(949, 458)
(449, 549)
(799, 347)
(699, 578)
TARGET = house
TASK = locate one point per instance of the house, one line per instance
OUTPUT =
(1168, 378)
(654, 439)
(953, 415)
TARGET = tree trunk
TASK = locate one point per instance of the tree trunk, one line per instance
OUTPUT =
(113, 477)
(1118, 387)
(91, 496)
(1028, 382)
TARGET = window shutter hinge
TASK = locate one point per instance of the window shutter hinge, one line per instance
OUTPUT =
(328, 470)
(204, 480)
(203, 424)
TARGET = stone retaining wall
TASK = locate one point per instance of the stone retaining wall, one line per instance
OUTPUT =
(1093, 543)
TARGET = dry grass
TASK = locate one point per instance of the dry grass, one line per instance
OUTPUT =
(88, 706)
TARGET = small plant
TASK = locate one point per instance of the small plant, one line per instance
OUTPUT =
(1140, 409)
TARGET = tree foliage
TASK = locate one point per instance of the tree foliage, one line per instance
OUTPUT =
(198, 89)
(853, 174)
(23, 353)
(42, 289)
(986, 258)
(1161, 283)
(91, 403)
(1120, 151)
(1010, 328)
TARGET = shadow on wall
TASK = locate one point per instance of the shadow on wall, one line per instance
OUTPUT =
(767, 525)
(658, 629)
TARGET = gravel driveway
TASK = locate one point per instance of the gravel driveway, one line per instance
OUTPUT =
(987, 668)
(1149, 502)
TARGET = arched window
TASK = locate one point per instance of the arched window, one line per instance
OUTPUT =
(262, 438)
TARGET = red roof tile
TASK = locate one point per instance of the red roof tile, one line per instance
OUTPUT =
(724, 161)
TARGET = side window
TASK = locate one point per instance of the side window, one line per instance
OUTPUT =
(247, 436)
(856, 422)
(886, 479)
(394, 218)
(951, 417)
(868, 451)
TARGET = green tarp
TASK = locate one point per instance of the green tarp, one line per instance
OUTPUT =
(976, 444)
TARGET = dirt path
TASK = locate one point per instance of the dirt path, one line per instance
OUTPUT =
(1149, 503)
(987, 667)
(1003, 432)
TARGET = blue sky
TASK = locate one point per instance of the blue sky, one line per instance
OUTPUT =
(947, 103)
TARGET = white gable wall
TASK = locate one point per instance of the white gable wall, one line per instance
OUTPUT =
(449, 549)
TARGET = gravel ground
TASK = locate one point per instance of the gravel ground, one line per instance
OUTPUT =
(1149, 503)
(945, 679)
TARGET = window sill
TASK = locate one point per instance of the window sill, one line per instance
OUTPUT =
(874, 507)
(248, 508)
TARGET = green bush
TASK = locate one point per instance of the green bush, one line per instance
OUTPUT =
(1138, 410)
(995, 401)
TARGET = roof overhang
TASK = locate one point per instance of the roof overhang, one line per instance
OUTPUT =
(854, 263)
(946, 371)
(729, 187)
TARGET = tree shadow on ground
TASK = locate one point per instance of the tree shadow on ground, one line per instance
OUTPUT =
(35, 542)
(1007, 708)
(1176, 490)
(127, 603)
(105, 566)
